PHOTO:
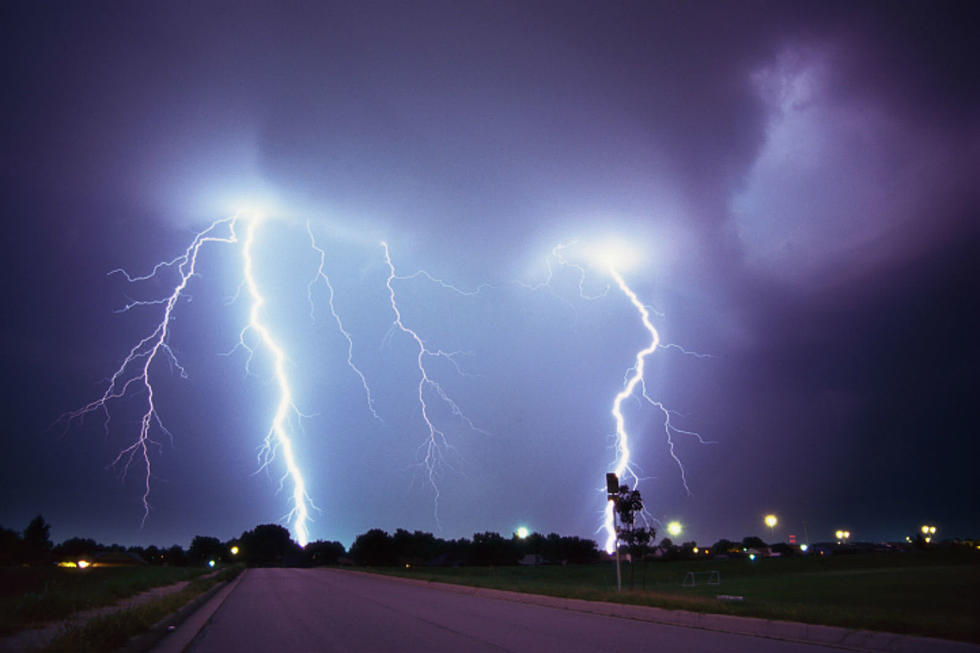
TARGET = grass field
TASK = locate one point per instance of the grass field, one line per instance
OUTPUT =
(934, 594)
(33, 595)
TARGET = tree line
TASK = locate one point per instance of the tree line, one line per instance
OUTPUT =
(272, 545)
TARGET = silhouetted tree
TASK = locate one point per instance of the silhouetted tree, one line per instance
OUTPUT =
(37, 541)
(324, 553)
(753, 542)
(204, 549)
(175, 556)
(637, 541)
(628, 502)
(11, 547)
(77, 547)
(374, 548)
(492, 549)
(269, 545)
(723, 546)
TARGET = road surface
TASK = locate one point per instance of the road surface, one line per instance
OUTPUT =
(301, 610)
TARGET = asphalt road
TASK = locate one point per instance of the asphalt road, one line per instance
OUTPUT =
(300, 610)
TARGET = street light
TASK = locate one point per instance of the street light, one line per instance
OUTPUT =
(842, 536)
(675, 528)
(928, 531)
(771, 522)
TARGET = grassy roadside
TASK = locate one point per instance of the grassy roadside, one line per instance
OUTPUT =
(35, 595)
(932, 594)
(113, 630)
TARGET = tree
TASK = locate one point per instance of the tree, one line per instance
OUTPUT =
(37, 541)
(637, 542)
(723, 546)
(628, 502)
(753, 542)
(492, 549)
(175, 557)
(373, 548)
(324, 553)
(204, 549)
(11, 547)
(270, 545)
(76, 547)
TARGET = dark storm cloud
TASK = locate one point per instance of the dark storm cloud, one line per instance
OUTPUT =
(805, 172)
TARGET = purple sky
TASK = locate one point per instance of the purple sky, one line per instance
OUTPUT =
(800, 179)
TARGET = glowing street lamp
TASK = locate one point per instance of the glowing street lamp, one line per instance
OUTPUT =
(522, 532)
(771, 521)
(842, 536)
(234, 550)
(675, 528)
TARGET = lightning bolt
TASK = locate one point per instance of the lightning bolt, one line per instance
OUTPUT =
(278, 437)
(634, 378)
(320, 274)
(134, 374)
(433, 448)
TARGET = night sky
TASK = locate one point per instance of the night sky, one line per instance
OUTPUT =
(799, 181)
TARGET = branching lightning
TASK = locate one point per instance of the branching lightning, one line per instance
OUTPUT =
(134, 373)
(634, 378)
(320, 274)
(433, 449)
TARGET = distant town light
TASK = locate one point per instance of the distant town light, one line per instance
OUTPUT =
(84, 564)
(804, 547)
(211, 563)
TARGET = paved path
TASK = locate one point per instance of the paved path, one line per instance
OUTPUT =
(297, 610)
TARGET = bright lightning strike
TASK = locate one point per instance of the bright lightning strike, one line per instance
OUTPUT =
(278, 438)
(135, 373)
(635, 378)
(432, 450)
(612, 256)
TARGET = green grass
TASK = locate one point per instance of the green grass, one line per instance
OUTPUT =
(934, 594)
(113, 630)
(30, 596)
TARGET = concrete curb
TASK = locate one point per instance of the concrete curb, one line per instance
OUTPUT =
(168, 634)
(834, 636)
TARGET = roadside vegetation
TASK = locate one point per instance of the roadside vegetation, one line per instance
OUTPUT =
(112, 631)
(31, 596)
